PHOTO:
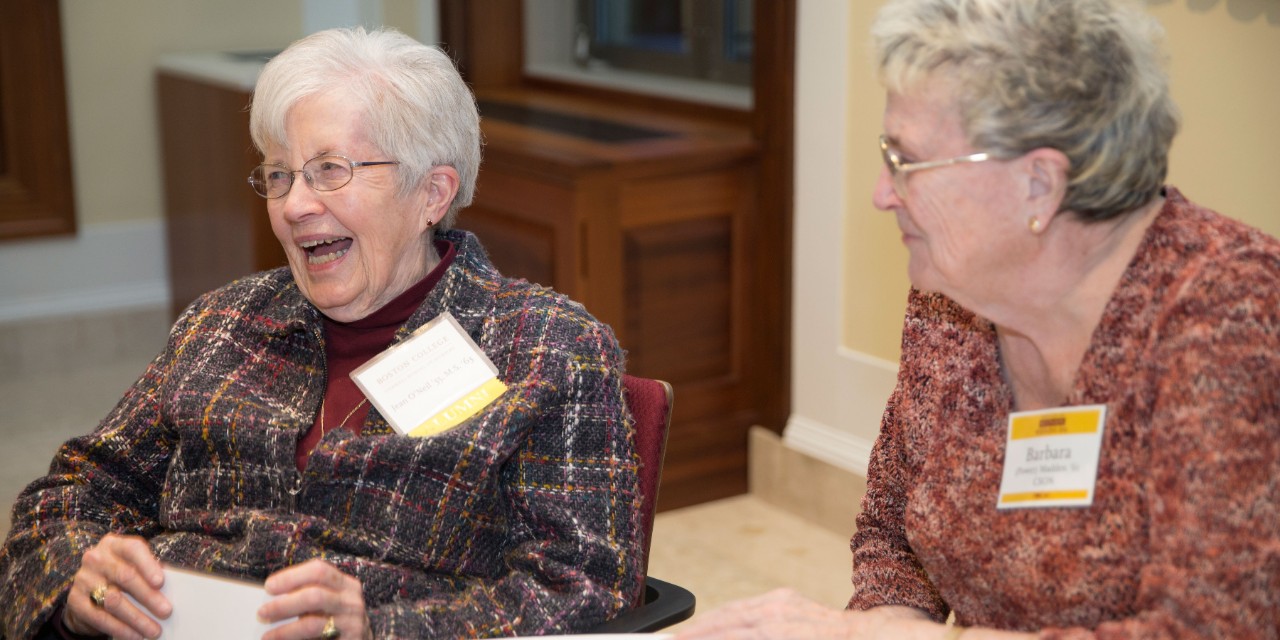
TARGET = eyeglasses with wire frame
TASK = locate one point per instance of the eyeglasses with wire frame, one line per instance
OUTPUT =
(326, 172)
(898, 169)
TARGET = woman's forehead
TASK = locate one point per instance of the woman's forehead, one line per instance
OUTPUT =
(927, 114)
(323, 124)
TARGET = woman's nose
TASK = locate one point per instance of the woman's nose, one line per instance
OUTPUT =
(885, 195)
(301, 200)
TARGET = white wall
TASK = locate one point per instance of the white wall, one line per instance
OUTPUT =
(837, 394)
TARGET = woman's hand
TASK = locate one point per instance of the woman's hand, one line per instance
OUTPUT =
(115, 566)
(316, 592)
(784, 614)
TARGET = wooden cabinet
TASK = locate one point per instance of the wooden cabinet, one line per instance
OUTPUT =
(648, 221)
(682, 243)
(217, 226)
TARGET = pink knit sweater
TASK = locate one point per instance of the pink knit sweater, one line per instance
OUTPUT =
(1183, 537)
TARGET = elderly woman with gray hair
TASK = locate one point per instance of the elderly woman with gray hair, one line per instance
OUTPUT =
(247, 449)
(1084, 440)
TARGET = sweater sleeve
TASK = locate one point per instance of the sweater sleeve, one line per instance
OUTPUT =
(574, 554)
(109, 480)
(885, 569)
(1214, 484)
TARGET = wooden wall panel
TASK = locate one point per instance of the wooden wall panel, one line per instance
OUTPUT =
(35, 150)
(706, 456)
(217, 226)
(659, 230)
(678, 285)
(518, 246)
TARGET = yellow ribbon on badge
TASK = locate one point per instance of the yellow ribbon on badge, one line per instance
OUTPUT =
(1036, 496)
(1055, 423)
(468, 406)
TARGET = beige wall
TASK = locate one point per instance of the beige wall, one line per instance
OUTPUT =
(875, 260)
(110, 52)
(1225, 74)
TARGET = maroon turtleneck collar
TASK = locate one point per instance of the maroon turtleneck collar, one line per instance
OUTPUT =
(348, 345)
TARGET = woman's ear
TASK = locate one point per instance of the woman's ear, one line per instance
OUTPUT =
(1047, 176)
(441, 184)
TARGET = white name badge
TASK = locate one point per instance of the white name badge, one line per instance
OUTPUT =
(432, 381)
(1051, 457)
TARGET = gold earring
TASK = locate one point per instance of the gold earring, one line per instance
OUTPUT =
(1034, 224)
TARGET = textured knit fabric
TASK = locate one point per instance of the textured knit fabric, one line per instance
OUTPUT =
(524, 519)
(1183, 537)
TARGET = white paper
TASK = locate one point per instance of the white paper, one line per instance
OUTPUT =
(607, 636)
(209, 607)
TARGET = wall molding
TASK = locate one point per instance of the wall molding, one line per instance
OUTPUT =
(105, 267)
(830, 445)
(838, 394)
(841, 428)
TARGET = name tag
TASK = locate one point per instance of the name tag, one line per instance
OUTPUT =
(432, 381)
(1051, 457)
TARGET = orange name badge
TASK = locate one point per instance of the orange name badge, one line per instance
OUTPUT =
(1051, 457)
(432, 381)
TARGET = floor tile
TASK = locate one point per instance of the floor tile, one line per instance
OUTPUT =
(740, 547)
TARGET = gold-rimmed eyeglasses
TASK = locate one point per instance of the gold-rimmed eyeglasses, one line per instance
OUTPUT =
(323, 173)
(898, 169)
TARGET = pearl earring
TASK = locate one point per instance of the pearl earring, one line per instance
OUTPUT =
(1034, 225)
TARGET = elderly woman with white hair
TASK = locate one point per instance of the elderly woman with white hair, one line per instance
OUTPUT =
(1084, 440)
(251, 447)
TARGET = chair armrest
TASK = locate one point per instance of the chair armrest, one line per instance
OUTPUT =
(664, 605)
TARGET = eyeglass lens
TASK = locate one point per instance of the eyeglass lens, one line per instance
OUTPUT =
(893, 161)
(323, 173)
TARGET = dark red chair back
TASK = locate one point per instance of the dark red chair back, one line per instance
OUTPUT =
(661, 603)
(650, 404)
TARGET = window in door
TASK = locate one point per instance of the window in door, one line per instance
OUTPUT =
(699, 50)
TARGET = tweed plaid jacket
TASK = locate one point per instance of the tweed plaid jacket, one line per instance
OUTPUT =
(523, 520)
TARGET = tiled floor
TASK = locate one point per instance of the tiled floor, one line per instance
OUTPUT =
(58, 379)
(742, 546)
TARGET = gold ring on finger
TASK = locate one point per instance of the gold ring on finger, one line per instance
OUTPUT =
(99, 595)
(330, 630)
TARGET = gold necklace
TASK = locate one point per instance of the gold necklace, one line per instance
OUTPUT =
(340, 424)
(297, 483)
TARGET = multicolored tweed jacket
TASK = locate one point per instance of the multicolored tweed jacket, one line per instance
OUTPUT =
(1183, 537)
(524, 519)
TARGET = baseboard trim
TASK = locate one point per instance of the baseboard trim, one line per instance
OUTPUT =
(105, 267)
(826, 443)
(118, 298)
(802, 484)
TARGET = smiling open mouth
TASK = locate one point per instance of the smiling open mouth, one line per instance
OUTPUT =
(325, 251)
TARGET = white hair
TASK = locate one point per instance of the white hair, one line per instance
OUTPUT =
(417, 108)
(1085, 77)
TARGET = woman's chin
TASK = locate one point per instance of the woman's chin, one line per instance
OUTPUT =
(340, 305)
(348, 313)
(921, 276)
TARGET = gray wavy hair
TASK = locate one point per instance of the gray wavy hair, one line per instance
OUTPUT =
(418, 110)
(1085, 77)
